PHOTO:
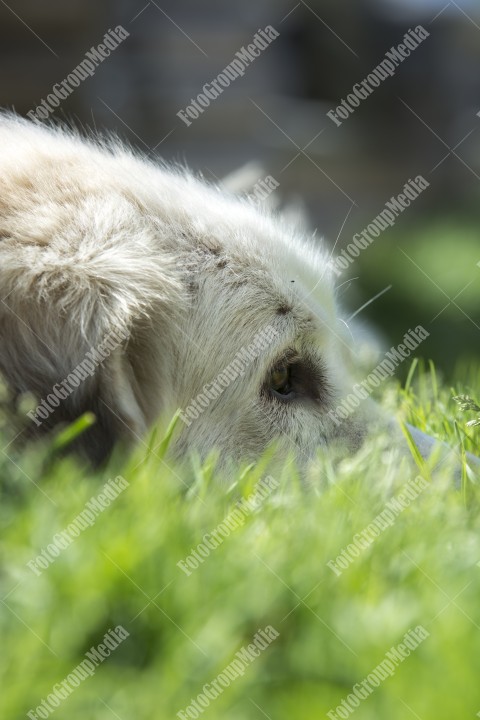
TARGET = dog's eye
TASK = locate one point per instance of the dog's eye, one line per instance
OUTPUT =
(280, 380)
(297, 379)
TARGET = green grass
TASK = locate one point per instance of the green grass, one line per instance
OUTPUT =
(272, 570)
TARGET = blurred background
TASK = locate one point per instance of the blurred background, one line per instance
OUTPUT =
(421, 121)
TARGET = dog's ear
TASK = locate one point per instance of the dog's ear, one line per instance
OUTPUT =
(68, 322)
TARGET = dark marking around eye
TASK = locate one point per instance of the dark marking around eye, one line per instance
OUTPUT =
(295, 378)
(284, 309)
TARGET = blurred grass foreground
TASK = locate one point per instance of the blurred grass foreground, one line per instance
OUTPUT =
(128, 593)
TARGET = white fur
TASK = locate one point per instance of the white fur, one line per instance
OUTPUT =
(94, 237)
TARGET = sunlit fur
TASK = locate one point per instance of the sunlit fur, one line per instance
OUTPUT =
(94, 237)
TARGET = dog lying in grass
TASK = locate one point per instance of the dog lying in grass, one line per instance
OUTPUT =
(132, 290)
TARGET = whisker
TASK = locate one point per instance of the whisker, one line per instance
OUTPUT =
(369, 302)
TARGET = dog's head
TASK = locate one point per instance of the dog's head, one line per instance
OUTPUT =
(167, 294)
(262, 352)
